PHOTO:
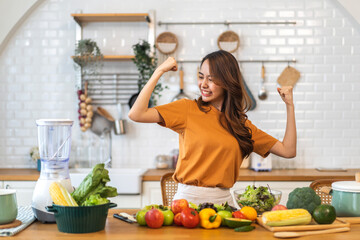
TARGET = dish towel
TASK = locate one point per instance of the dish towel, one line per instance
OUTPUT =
(25, 215)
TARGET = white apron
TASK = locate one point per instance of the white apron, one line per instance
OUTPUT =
(198, 195)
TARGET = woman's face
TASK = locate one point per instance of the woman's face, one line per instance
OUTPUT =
(210, 92)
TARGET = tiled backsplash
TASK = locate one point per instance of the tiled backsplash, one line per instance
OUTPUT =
(38, 77)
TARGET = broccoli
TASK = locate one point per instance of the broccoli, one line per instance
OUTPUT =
(305, 198)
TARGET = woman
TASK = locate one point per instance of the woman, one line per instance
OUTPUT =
(214, 132)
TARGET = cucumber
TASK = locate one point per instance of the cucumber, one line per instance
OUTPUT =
(244, 229)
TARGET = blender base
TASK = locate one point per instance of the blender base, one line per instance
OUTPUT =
(44, 217)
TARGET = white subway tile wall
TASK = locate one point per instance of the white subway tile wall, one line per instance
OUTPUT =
(38, 76)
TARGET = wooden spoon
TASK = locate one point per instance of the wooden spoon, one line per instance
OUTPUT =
(306, 233)
(105, 114)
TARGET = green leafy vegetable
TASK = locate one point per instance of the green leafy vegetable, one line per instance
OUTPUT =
(95, 200)
(304, 197)
(94, 183)
(257, 197)
(193, 205)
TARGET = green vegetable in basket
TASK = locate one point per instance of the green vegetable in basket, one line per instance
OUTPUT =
(95, 200)
(94, 184)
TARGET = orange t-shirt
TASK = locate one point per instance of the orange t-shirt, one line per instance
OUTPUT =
(209, 156)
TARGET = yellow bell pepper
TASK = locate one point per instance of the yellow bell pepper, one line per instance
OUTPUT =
(209, 219)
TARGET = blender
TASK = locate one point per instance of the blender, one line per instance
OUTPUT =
(54, 139)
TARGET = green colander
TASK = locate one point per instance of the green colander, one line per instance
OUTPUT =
(83, 219)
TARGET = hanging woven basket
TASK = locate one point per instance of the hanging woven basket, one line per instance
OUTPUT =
(229, 41)
(166, 42)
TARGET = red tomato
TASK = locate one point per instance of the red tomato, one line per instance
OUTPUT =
(238, 214)
(154, 218)
(190, 218)
(178, 205)
(177, 219)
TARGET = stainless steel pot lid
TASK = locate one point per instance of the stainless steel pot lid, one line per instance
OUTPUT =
(54, 122)
(346, 186)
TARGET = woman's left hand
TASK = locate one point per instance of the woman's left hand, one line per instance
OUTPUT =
(286, 94)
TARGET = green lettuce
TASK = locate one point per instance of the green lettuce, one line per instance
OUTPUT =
(95, 200)
(94, 184)
(257, 197)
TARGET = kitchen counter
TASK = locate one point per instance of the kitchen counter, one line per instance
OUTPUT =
(11, 174)
(116, 229)
(274, 175)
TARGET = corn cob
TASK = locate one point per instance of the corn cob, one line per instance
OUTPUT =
(286, 217)
(60, 195)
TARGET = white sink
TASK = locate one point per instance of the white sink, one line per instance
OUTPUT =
(126, 180)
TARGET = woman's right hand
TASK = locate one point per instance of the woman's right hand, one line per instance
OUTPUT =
(169, 65)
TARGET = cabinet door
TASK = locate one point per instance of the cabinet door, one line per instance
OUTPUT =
(24, 191)
(151, 193)
(284, 187)
(127, 201)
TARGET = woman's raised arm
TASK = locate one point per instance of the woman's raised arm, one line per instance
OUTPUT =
(287, 148)
(140, 111)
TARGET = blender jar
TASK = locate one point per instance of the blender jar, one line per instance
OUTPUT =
(54, 139)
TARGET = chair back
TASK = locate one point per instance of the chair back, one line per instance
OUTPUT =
(168, 188)
(318, 184)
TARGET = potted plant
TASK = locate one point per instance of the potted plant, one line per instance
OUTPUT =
(35, 157)
(88, 56)
(146, 63)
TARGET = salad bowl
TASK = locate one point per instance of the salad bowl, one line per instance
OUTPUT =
(261, 198)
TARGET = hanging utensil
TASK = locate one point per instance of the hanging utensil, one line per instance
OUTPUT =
(119, 123)
(253, 101)
(262, 92)
(166, 43)
(251, 96)
(289, 77)
(181, 94)
(228, 41)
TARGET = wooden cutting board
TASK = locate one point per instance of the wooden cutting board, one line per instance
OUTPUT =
(289, 77)
(338, 223)
(351, 220)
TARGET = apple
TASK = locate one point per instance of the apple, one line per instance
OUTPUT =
(279, 207)
(140, 217)
(177, 219)
(238, 214)
(224, 214)
(154, 218)
(178, 205)
(168, 217)
(190, 218)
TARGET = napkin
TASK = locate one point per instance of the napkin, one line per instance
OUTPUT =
(25, 215)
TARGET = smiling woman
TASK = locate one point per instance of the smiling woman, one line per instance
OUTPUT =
(214, 132)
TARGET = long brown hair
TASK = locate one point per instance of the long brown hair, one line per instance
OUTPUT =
(225, 69)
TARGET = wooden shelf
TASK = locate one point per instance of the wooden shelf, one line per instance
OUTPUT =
(110, 17)
(116, 57)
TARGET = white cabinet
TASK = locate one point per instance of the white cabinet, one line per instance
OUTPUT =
(127, 201)
(24, 191)
(151, 193)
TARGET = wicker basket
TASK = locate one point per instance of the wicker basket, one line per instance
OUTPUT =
(228, 41)
(166, 42)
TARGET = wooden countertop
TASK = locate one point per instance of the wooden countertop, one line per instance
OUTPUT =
(116, 229)
(11, 174)
(274, 175)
